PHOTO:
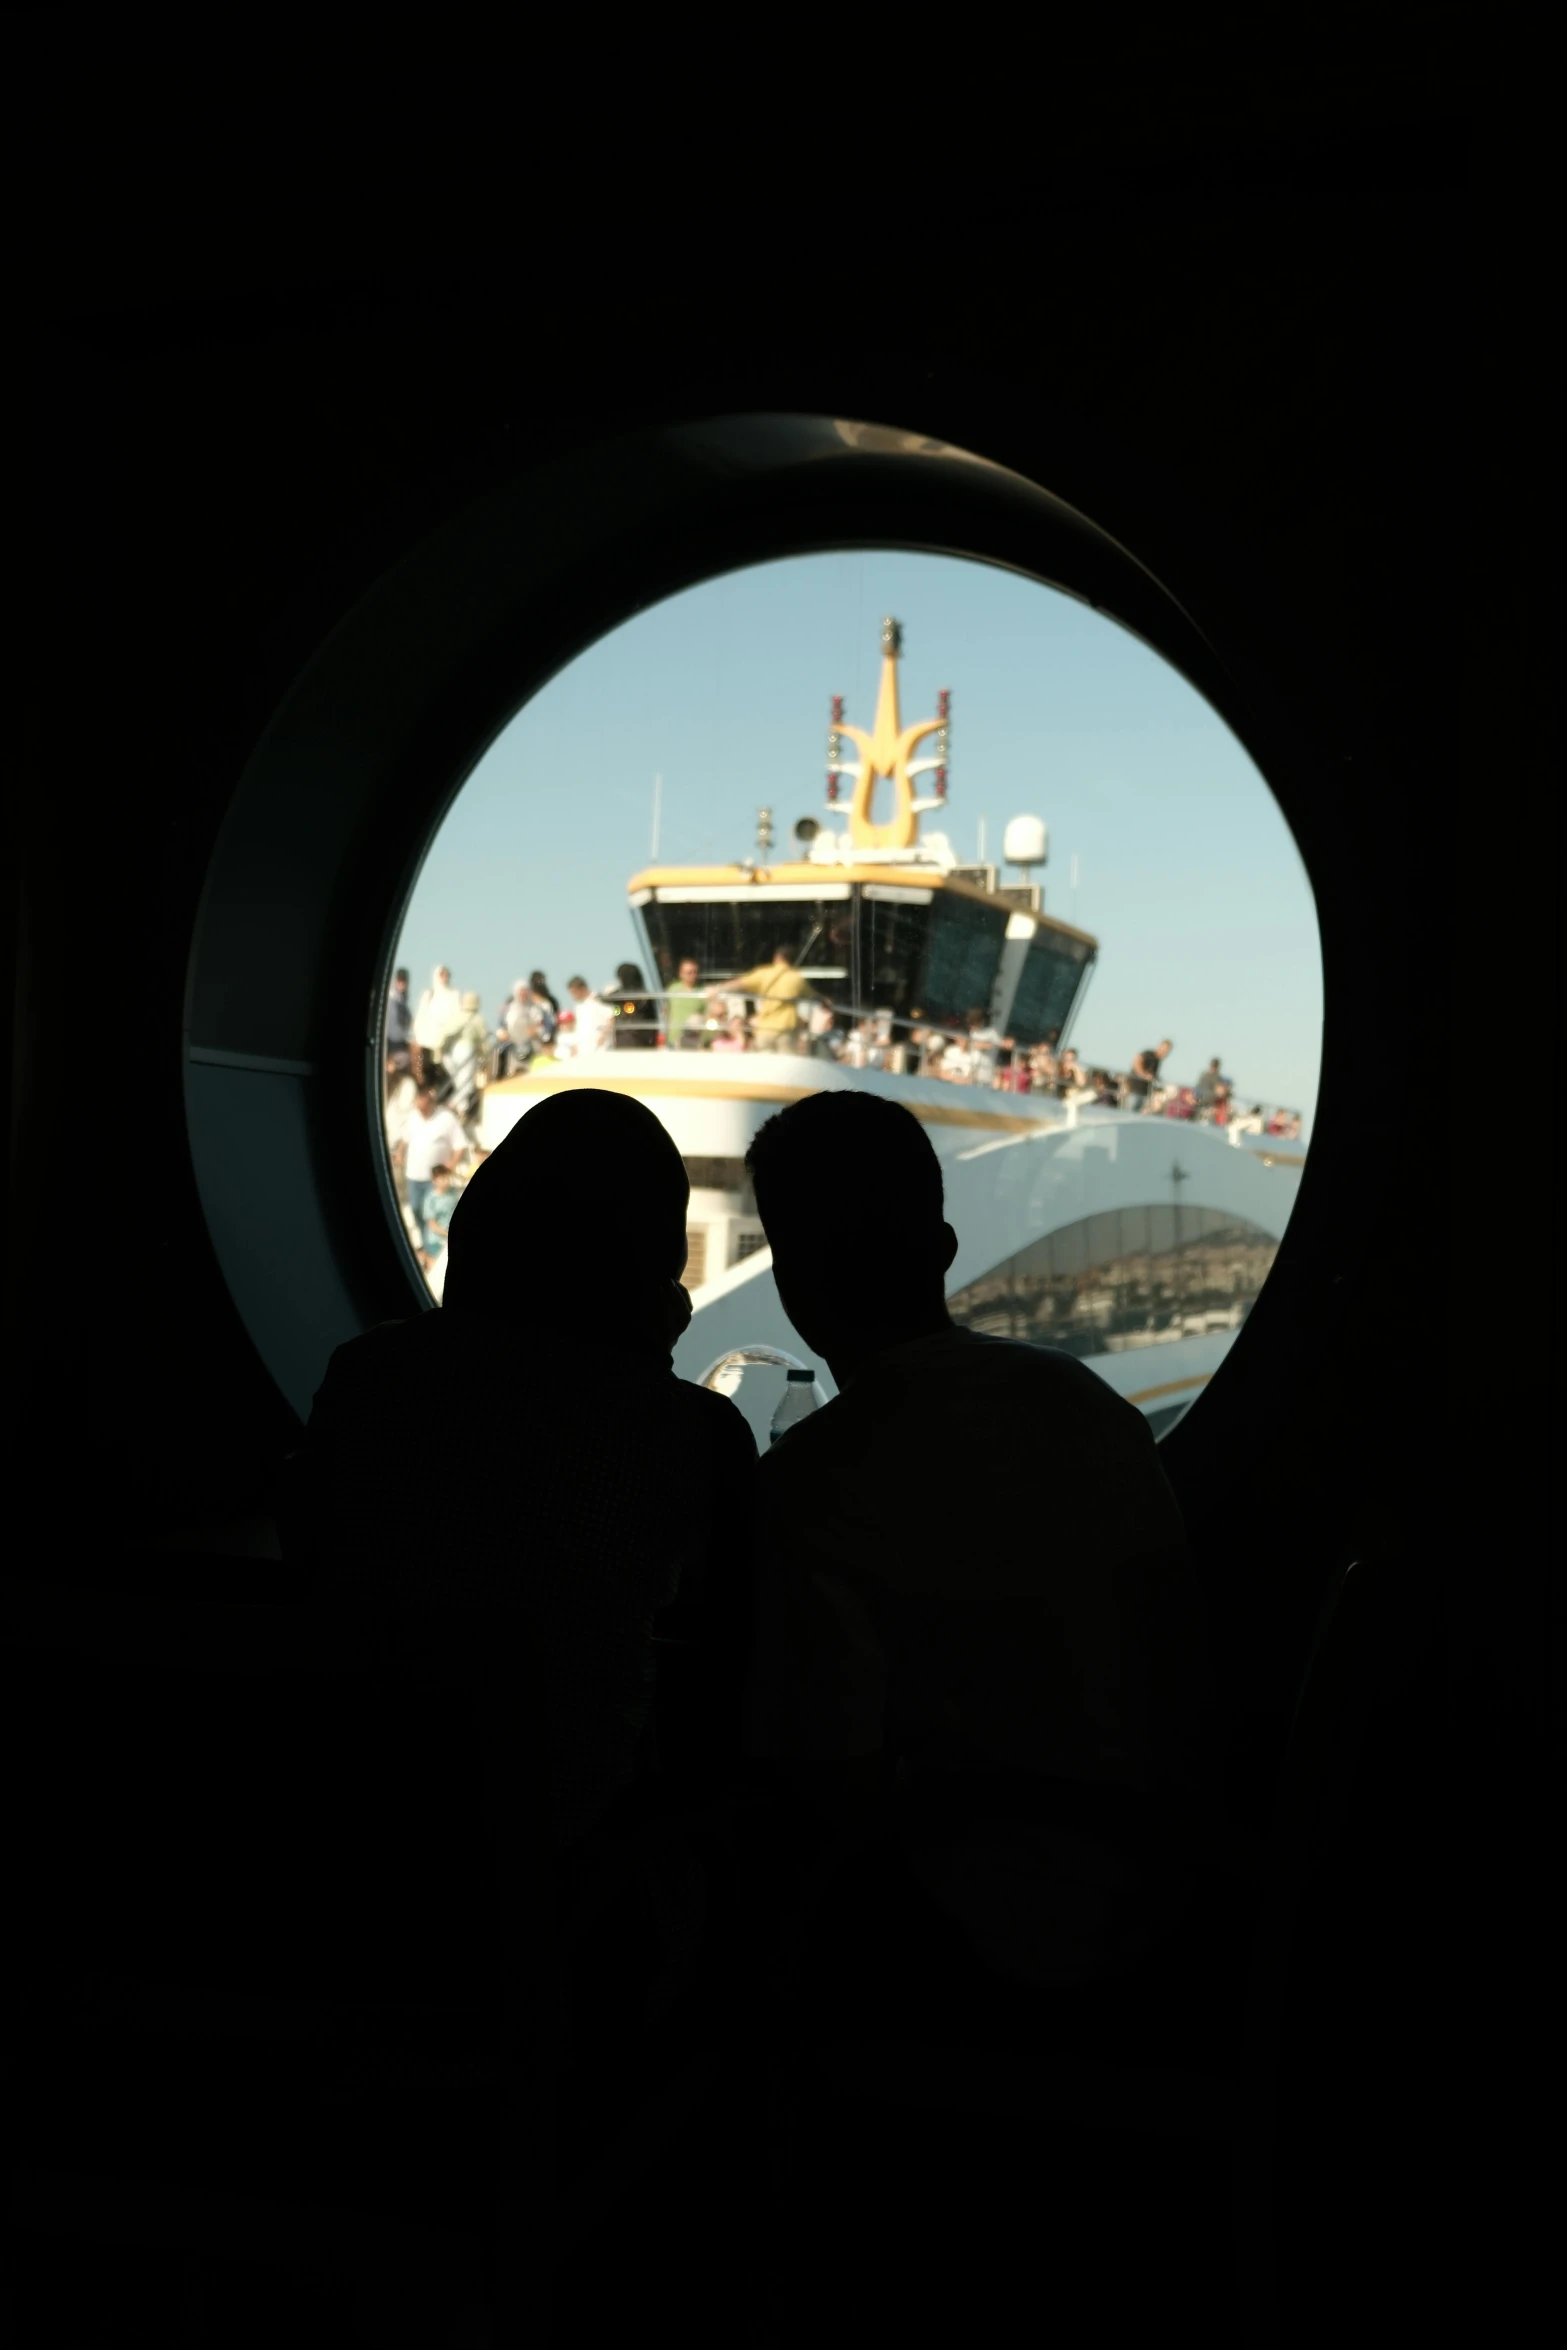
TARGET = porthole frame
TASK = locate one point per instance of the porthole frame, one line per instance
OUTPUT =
(346, 790)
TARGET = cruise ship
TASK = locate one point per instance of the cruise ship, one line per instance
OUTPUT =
(1134, 1241)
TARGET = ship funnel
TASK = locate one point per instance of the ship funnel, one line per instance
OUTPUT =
(1026, 842)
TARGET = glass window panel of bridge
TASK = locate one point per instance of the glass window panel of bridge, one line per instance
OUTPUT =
(913, 825)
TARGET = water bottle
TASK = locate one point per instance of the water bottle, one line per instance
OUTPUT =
(797, 1402)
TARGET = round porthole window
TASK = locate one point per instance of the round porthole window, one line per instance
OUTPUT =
(983, 852)
(755, 694)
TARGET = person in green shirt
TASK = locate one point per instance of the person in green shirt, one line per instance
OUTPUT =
(779, 989)
(687, 1010)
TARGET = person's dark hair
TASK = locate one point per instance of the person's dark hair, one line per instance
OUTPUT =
(831, 1147)
(783, 955)
(402, 975)
(607, 1161)
(630, 979)
(434, 1171)
(977, 1013)
(579, 981)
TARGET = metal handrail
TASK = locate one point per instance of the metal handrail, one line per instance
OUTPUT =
(1008, 1057)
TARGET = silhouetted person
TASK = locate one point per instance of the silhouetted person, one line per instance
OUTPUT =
(1002, 1702)
(649, 1492)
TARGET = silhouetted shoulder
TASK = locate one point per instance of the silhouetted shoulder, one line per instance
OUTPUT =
(715, 1419)
(817, 1436)
(995, 1390)
(1067, 1374)
(386, 1349)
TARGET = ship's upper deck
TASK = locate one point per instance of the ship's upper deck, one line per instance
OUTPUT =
(887, 926)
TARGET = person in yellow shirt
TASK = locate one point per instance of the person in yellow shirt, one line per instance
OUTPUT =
(779, 988)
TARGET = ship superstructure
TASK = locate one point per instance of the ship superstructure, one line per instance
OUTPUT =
(1132, 1241)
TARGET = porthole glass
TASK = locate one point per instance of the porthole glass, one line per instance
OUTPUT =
(1026, 881)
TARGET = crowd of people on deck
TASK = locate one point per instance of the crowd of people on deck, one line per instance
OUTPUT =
(442, 1051)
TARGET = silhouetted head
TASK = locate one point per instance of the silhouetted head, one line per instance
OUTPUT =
(782, 955)
(424, 1101)
(400, 981)
(575, 1225)
(852, 1168)
(688, 971)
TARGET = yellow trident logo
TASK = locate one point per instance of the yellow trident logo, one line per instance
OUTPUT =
(886, 751)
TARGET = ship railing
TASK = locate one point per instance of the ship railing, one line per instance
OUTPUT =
(882, 1031)
(891, 1036)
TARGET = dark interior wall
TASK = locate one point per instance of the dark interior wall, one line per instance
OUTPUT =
(1281, 323)
(1222, 316)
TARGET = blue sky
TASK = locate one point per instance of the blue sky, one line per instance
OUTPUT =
(1186, 870)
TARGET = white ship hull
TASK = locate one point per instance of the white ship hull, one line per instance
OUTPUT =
(1015, 1168)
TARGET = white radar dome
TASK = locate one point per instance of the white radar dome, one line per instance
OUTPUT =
(1027, 841)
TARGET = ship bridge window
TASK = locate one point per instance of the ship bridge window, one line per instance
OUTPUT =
(964, 953)
(726, 935)
(935, 960)
(1053, 973)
